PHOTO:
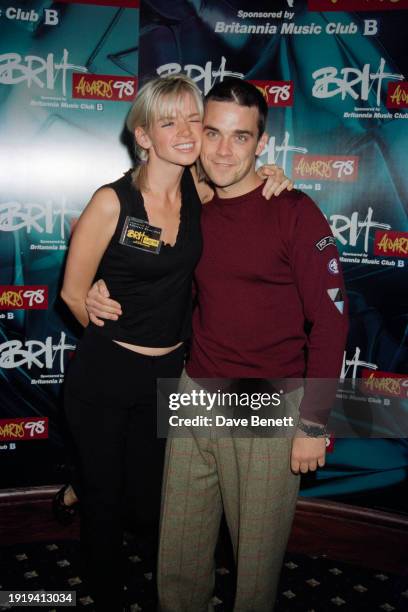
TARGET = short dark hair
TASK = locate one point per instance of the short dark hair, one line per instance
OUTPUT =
(242, 93)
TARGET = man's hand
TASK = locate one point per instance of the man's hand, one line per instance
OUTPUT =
(276, 181)
(99, 304)
(307, 453)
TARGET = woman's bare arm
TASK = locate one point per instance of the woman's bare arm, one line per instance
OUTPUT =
(90, 238)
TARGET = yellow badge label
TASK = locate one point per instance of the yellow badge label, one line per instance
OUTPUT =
(138, 234)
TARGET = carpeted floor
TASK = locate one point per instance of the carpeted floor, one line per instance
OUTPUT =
(308, 584)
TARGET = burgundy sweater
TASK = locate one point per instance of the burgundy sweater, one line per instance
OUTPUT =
(267, 268)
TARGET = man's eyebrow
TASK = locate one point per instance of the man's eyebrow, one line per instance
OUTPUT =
(236, 132)
(247, 132)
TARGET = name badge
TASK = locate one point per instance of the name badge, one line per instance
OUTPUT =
(138, 234)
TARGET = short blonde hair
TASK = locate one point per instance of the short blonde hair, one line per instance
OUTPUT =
(159, 97)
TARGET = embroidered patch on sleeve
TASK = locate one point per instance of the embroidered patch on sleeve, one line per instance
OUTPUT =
(325, 242)
(336, 297)
(333, 266)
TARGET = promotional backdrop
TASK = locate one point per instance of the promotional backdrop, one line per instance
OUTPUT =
(334, 73)
(67, 74)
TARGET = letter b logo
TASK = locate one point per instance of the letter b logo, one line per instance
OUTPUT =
(370, 27)
(51, 17)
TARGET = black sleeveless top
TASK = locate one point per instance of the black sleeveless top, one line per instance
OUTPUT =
(154, 290)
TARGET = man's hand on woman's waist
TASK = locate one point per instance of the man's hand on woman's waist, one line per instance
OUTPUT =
(100, 306)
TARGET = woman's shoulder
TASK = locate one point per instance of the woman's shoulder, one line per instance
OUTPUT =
(105, 203)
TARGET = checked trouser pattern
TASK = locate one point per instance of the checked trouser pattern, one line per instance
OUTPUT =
(250, 479)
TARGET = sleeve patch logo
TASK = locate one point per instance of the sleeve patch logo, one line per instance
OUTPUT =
(325, 242)
(336, 297)
(333, 266)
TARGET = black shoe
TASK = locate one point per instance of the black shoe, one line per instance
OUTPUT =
(64, 514)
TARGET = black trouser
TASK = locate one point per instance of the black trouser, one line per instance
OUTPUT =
(110, 403)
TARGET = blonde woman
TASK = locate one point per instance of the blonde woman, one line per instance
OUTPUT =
(141, 234)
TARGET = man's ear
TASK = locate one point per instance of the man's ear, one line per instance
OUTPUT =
(142, 138)
(262, 142)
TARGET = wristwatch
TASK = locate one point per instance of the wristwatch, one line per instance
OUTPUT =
(313, 431)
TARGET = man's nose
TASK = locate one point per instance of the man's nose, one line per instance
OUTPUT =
(224, 147)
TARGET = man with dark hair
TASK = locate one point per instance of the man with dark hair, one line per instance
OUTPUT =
(242, 93)
(266, 273)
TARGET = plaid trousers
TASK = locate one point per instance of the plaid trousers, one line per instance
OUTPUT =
(250, 479)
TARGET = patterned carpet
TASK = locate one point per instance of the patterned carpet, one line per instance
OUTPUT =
(308, 584)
